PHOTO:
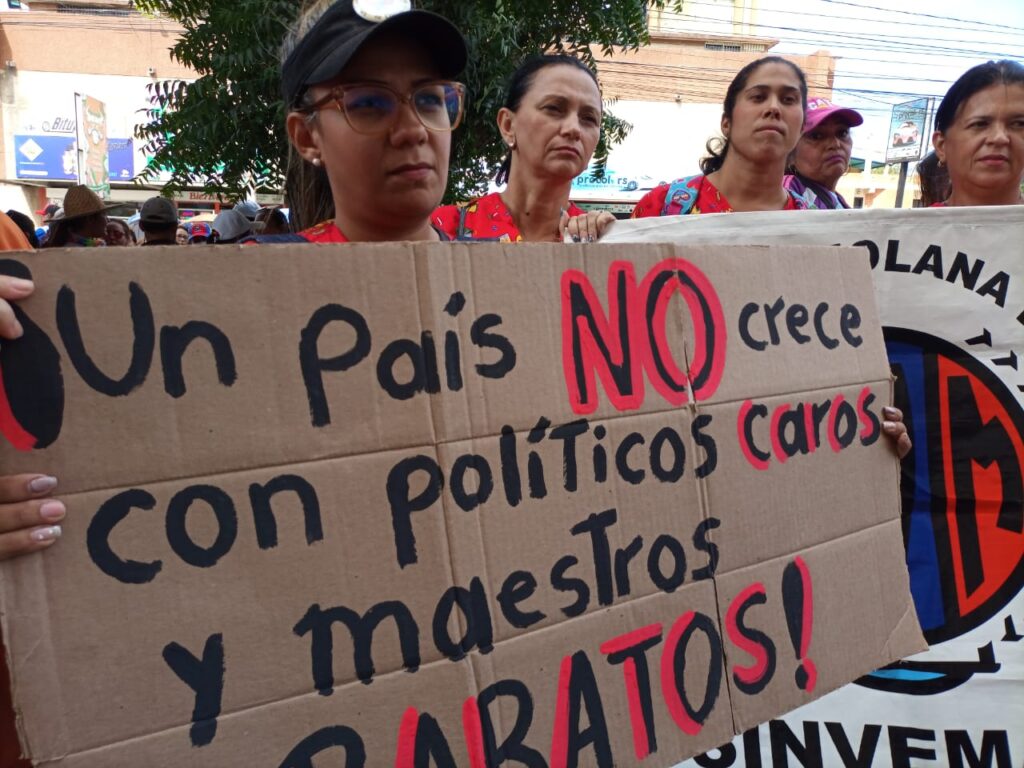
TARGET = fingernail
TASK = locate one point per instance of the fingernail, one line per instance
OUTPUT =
(20, 285)
(52, 511)
(889, 411)
(16, 330)
(888, 426)
(46, 533)
(43, 484)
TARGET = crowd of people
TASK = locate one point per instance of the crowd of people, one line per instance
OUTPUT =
(82, 221)
(371, 106)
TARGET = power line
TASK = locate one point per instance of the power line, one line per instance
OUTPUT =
(921, 14)
(866, 41)
(1000, 29)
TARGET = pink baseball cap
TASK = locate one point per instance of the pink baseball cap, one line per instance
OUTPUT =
(819, 109)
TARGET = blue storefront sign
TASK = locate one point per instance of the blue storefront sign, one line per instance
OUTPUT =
(122, 159)
(54, 158)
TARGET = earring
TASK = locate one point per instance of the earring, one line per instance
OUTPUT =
(317, 162)
(512, 144)
(942, 163)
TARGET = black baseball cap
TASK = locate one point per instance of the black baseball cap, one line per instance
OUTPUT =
(348, 25)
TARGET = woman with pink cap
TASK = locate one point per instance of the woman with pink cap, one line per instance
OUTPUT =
(822, 155)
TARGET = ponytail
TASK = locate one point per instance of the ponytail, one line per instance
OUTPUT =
(717, 148)
(501, 177)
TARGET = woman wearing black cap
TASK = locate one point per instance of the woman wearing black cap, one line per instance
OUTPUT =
(370, 118)
(371, 109)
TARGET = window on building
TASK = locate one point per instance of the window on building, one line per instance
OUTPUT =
(95, 9)
(723, 47)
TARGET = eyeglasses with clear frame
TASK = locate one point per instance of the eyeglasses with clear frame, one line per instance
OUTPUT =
(373, 108)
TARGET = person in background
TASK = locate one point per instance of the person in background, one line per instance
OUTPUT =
(84, 222)
(934, 180)
(50, 212)
(273, 221)
(159, 221)
(230, 226)
(822, 155)
(249, 209)
(371, 107)
(551, 123)
(12, 238)
(181, 235)
(979, 135)
(119, 233)
(199, 233)
(26, 225)
(762, 121)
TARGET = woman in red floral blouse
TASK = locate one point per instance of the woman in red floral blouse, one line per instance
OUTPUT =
(551, 122)
(762, 121)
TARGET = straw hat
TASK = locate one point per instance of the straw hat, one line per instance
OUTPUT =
(80, 201)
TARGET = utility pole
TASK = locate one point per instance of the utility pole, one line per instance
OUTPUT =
(901, 185)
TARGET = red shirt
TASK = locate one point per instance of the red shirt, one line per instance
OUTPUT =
(486, 218)
(709, 200)
(324, 232)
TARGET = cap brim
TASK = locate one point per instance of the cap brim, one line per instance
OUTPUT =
(436, 34)
(851, 117)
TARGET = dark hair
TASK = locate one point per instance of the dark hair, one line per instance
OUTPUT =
(934, 179)
(718, 146)
(129, 235)
(308, 192)
(273, 219)
(521, 82)
(25, 225)
(58, 235)
(62, 230)
(975, 79)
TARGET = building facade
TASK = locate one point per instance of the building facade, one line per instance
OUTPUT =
(53, 54)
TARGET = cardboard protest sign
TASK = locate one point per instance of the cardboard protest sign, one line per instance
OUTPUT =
(395, 504)
(948, 283)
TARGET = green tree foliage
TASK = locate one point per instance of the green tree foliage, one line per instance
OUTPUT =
(225, 131)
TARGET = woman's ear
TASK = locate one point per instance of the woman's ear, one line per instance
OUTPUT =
(302, 136)
(939, 142)
(507, 124)
(725, 125)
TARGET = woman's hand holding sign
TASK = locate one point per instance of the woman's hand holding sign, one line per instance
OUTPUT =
(896, 430)
(12, 289)
(29, 518)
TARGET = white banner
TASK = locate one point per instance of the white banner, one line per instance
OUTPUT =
(950, 286)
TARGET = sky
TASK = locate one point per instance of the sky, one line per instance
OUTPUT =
(891, 52)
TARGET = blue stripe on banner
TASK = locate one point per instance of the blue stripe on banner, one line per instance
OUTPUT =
(922, 556)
